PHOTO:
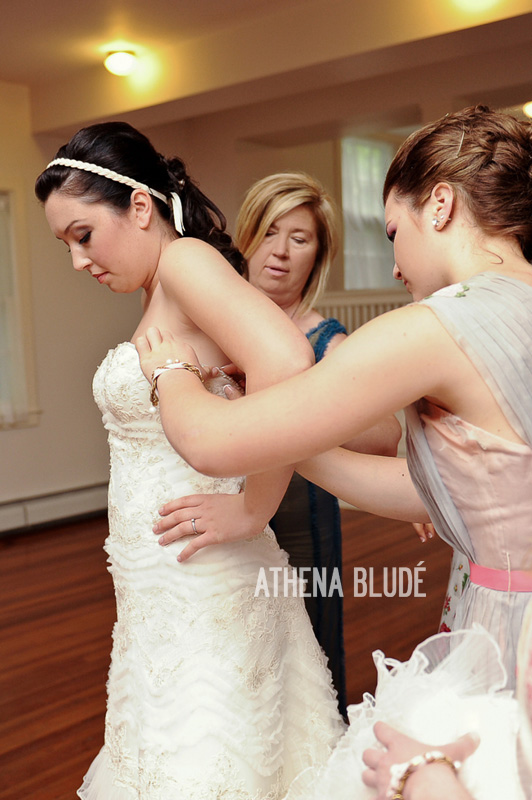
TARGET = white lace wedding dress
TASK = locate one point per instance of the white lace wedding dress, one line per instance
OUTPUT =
(213, 693)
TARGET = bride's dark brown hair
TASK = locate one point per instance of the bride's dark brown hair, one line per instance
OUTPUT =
(486, 156)
(125, 150)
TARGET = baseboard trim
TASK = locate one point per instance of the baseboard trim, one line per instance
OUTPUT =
(33, 511)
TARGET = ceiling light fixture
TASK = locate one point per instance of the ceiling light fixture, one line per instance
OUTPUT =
(474, 6)
(527, 109)
(121, 62)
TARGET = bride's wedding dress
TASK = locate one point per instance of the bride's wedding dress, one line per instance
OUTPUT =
(213, 692)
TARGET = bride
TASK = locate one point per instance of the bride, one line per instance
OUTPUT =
(213, 692)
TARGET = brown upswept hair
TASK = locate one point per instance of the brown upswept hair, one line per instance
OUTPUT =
(119, 147)
(270, 198)
(486, 156)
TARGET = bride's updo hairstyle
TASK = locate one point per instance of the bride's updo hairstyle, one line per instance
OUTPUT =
(486, 156)
(119, 147)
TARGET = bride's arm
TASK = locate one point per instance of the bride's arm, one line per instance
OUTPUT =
(378, 484)
(254, 333)
(245, 325)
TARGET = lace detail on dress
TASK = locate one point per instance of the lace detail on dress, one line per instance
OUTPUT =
(212, 692)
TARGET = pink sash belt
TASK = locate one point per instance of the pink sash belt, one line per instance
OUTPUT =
(504, 580)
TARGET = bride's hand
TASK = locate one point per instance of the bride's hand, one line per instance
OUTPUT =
(157, 348)
(218, 519)
(430, 782)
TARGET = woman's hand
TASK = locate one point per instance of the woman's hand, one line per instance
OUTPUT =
(158, 348)
(234, 372)
(431, 782)
(218, 519)
(233, 390)
(425, 530)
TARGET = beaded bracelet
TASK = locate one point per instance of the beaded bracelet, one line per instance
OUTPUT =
(400, 773)
(154, 397)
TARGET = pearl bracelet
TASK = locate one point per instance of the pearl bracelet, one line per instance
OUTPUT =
(400, 773)
(154, 397)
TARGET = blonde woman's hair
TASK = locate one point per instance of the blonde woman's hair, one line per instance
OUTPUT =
(275, 195)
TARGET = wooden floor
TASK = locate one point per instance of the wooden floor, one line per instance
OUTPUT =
(56, 615)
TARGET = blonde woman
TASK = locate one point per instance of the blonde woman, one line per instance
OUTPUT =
(287, 232)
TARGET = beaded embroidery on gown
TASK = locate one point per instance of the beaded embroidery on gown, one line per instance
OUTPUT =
(212, 693)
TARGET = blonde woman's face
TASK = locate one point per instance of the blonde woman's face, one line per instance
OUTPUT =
(283, 261)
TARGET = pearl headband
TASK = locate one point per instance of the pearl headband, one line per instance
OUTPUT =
(174, 201)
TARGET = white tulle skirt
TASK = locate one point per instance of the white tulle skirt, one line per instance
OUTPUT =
(446, 689)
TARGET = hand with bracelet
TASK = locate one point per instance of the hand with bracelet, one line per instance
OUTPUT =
(168, 365)
(161, 351)
(410, 770)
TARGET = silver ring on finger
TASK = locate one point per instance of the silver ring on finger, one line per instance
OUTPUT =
(193, 523)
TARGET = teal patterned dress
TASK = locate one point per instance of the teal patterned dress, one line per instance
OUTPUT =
(308, 526)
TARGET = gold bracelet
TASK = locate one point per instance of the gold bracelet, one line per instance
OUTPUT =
(401, 772)
(154, 397)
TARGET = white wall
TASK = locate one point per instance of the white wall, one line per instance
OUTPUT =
(70, 323)
(224, 159)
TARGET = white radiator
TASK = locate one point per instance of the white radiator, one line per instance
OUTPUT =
(354, 308)
(30, 511)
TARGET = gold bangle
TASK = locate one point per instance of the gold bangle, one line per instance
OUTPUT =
(154, 397)
(404, 771)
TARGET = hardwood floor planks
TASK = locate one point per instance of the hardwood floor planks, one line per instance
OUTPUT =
(56, 614)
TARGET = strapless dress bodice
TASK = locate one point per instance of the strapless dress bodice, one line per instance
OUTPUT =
(146, 471)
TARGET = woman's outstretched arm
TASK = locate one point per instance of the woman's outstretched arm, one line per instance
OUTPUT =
(378, 484)
(385, 365)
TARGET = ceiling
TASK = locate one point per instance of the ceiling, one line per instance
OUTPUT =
(42, 41)
(203, 56)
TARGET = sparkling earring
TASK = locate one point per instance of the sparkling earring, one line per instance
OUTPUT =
(435, 221)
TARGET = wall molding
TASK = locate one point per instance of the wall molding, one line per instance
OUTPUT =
(31, 511)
